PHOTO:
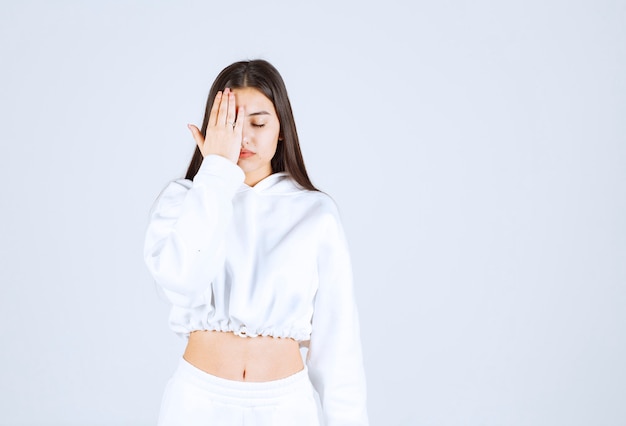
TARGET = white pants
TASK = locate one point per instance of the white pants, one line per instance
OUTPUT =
(193, 398)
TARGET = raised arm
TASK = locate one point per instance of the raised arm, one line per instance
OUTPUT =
(184, 245)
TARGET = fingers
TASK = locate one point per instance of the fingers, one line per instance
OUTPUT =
(224, 128)
(197, 135)
(223, 110)
(228, 97)
(241, 115)
(230, 115)
(214, 109)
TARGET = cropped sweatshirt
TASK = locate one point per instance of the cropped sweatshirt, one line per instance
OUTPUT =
(267, 260)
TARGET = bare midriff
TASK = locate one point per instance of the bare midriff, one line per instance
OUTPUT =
(248, 359)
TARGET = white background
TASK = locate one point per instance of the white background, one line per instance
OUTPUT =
(477, 151)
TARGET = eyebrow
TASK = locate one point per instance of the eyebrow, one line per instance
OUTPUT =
(258, 113)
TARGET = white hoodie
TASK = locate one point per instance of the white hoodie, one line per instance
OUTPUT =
(266, 260)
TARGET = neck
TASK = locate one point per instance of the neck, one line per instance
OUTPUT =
(256, 176)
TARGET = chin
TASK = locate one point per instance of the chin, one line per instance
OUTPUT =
(245, 166)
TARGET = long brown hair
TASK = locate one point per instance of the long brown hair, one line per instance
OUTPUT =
(261, 75)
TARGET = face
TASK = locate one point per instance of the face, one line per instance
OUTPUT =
(261, 131)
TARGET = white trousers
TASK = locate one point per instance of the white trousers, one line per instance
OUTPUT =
(193, 398)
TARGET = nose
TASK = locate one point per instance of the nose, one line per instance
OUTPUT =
(246, 134)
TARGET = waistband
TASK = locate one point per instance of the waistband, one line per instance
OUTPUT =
(221, 388)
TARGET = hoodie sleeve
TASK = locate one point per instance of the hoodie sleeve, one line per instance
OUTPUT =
(334, 359)
(184, 244)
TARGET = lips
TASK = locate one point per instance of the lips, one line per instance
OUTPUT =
(244, 153)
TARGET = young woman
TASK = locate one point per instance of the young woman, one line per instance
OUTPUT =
(254, 261)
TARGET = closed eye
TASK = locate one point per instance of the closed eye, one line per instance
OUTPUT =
(258, 125)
